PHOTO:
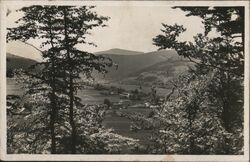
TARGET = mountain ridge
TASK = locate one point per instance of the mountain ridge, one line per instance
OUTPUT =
(15, 61)
(153, 67)
(119, 51)
(129, 65)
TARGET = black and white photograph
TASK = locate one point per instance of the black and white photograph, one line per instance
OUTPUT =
(147, 79)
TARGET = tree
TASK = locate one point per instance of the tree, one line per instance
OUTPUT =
(28, 130)
(204, 112)
(28, 124)
(76, 23)
(37, 24)
(107, 102)
(229, 21)
(187, 123)
(60, 29)
(224, 52)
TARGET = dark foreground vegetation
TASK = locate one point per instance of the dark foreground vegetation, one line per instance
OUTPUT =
(202, 113)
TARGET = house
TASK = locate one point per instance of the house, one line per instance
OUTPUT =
(125, 95)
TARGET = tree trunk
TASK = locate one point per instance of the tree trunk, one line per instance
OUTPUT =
(71, 89)
(52, 123)
(226, 106)
(71, 116)
(53, 100)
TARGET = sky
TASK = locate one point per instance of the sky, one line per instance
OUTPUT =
(129, 27)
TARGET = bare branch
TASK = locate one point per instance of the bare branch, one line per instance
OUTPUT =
(32, 46)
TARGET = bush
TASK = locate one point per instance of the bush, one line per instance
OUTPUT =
(107, 102)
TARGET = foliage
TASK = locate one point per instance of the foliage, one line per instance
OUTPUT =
(28, 126)
(114, 143)
(107, 102)
(204, 112)
(220, 18)
(66, 125)
(29, 132)
(191, 123)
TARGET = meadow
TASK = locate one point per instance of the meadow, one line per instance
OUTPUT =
(113, 118)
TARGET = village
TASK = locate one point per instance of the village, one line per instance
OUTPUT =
(135, 98)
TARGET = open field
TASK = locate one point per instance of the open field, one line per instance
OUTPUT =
(120, 125)
(92, 96)
(145, 89)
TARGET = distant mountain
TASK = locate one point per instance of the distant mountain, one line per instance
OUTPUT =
(129, 65)
(117, 51)
(135, 68)
(15, 62)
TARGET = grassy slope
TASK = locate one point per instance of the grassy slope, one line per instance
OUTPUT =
(158, 74)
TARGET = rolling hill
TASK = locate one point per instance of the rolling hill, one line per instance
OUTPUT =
(117, 51)
(132, 67)
(158, 74)
(14, 62)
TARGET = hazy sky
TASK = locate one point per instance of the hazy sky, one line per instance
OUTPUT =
(129, 27)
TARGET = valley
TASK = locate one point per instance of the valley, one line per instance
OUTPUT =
(128, 87)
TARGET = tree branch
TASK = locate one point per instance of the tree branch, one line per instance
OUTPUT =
(213, 66)
(32, 46)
